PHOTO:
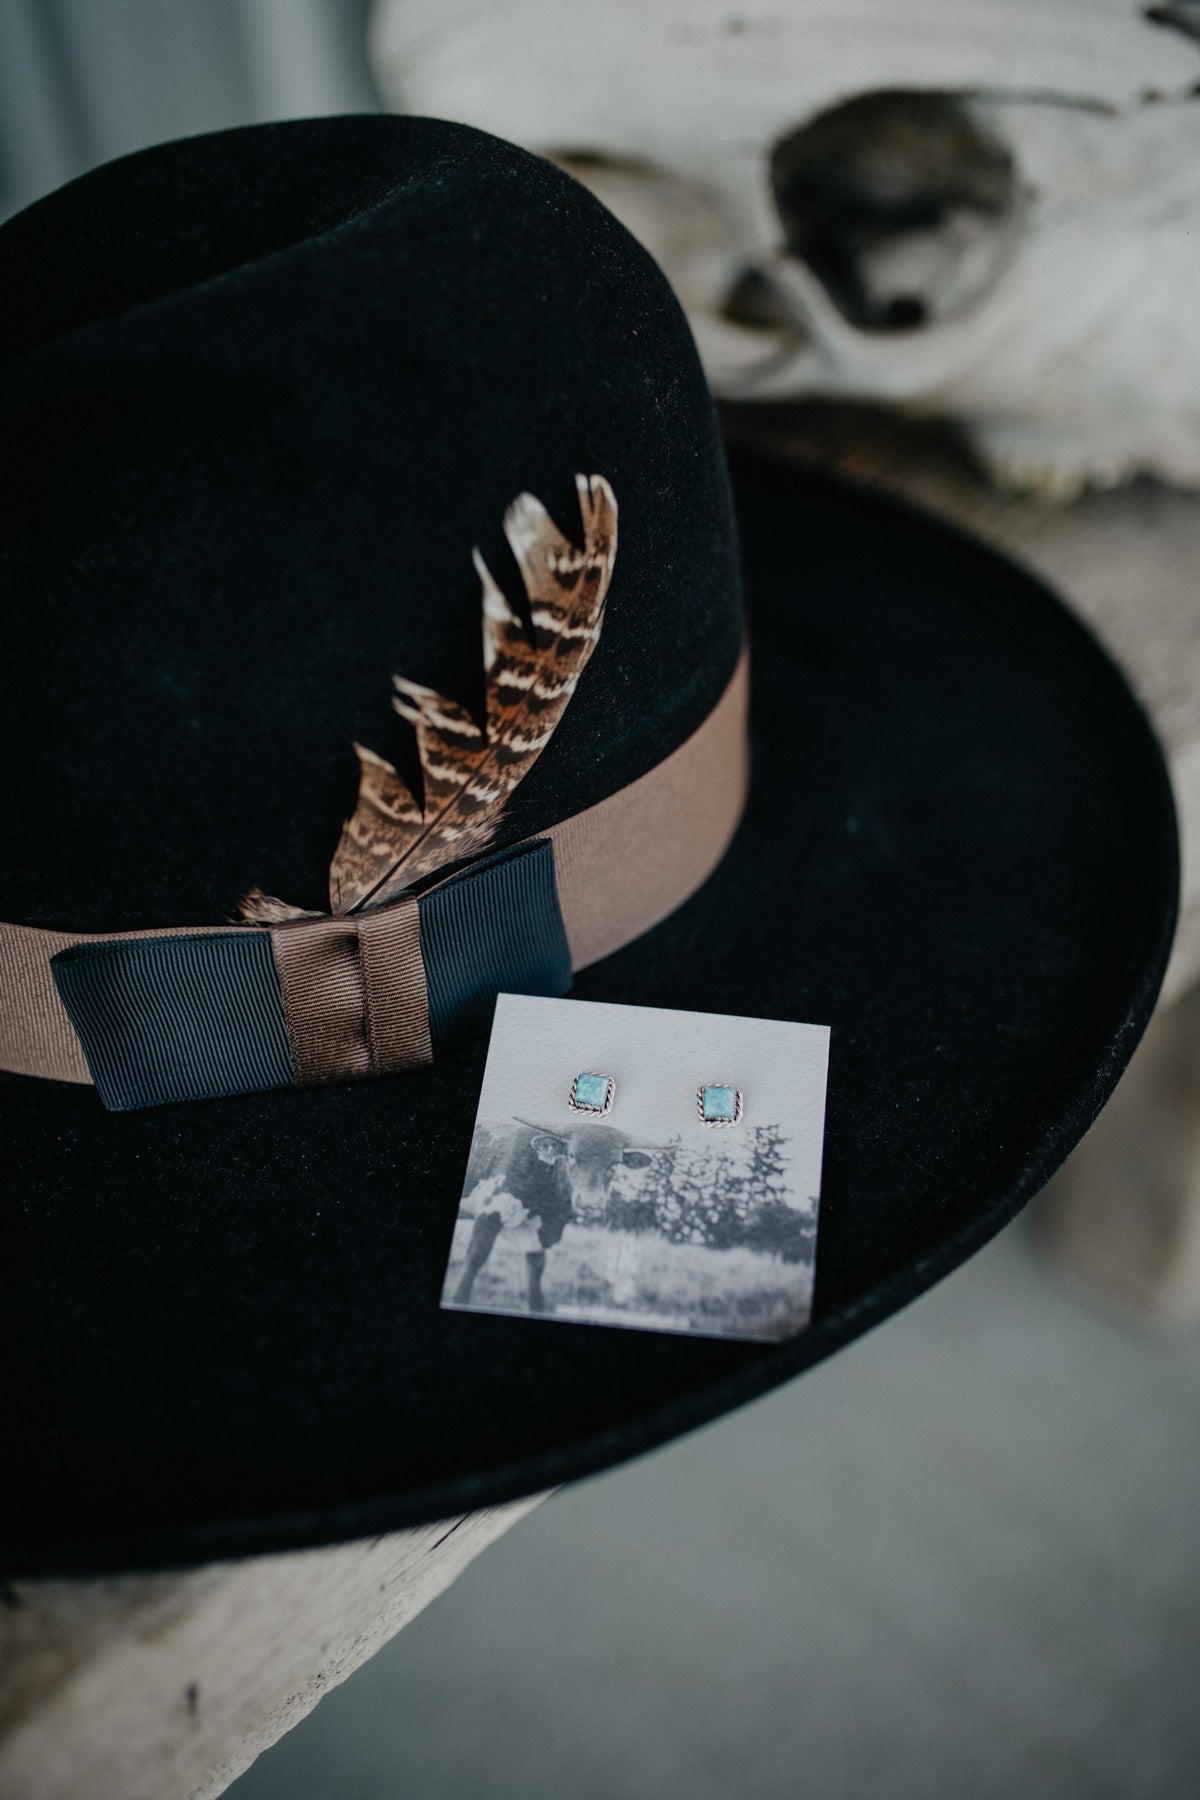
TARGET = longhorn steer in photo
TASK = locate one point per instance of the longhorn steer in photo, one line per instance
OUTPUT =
(533, 1180)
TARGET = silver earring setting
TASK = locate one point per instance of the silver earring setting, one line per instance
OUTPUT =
(592, 1094)
(717, 1105)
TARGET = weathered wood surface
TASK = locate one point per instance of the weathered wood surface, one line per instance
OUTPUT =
(1123, 1218)
(165, 1687)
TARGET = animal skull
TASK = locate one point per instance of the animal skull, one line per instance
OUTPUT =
(990, 213)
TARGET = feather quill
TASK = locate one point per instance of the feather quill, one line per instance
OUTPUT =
(469, 769)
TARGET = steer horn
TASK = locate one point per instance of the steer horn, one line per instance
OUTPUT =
(553, 1131)
(532, 1125)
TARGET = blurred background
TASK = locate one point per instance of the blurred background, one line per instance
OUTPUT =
(953, 251)
(82, 81)
(962, 1558)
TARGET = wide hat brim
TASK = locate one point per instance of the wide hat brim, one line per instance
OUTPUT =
(959, 852)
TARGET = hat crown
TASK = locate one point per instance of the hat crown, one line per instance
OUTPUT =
(269, 389)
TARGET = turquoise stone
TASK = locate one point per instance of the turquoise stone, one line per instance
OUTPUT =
(719, 1103)
(591, 1090)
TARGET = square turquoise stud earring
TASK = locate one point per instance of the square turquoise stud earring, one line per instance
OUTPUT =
(593, 1094)
(719, 1105)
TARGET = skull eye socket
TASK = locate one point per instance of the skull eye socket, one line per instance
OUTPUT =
(636, 1159)
(902, 204)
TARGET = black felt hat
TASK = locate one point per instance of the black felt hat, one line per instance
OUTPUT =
(262, 393)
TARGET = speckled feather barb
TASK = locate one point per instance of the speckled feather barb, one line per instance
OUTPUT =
(392, 841)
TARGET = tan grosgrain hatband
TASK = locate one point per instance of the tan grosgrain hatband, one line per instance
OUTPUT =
(620, 867)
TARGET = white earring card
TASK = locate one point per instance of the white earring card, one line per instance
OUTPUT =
(644, 1217)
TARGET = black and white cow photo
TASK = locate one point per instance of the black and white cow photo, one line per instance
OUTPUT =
(582, 1221)
(643, 1216)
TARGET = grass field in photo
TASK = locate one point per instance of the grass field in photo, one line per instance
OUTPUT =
(640, 1280)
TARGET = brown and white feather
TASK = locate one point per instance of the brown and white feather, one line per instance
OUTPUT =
(257, 908)
(391, 842)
